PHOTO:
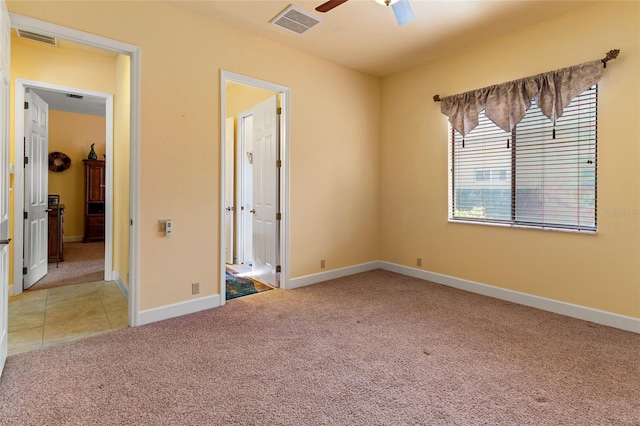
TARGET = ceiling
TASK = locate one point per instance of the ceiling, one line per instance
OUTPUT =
(59, 101)
(364, 36)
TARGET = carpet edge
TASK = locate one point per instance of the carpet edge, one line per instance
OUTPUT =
(585, 313)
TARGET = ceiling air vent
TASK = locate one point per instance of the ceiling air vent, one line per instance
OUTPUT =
(51, 41)
(295, 20)
(74, 96)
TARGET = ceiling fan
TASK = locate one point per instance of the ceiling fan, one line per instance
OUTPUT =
(401, 8)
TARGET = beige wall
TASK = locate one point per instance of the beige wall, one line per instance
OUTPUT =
(240, 98)
(63, 65)
(599, 271)
(334, 142)
(121, 147)
(73, 134)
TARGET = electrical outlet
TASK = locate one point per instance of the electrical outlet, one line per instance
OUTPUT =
(195, 288)
(322, 264)
(165, 226)
(419, 261)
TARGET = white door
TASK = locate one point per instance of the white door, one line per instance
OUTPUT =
(265, 191)
(228, 190)
(36, 186)
(4, 179)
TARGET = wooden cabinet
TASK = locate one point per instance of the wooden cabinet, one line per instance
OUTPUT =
(94, 188)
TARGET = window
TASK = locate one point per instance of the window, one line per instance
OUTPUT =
(537, 175)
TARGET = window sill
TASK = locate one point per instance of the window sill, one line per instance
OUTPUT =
(511, 225)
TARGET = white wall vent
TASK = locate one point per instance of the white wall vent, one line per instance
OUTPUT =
(295, 20)
(51, 41)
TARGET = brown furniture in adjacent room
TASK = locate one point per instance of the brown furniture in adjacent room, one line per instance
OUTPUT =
(55, 246)
(94, 188)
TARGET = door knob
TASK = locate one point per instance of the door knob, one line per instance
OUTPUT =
(252, 211)
(7, 241)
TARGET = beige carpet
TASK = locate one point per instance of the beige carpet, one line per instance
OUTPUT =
(376, 348)
(83, 263)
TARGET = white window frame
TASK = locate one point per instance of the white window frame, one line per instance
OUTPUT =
(474, 216)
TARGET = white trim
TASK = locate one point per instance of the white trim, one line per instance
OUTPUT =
(121, 285)
(550, 305)
(134, 189)
(285, 97)
(108, 194)
(18, 206)
(178, 309)
(240, 175)
(47, 28)
(333, 274)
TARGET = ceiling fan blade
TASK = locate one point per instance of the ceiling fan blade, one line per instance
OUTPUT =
(403, 12)
(325, 7)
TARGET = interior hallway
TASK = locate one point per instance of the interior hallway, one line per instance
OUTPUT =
(47, 317)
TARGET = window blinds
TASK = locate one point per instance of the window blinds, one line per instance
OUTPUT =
(537, 175)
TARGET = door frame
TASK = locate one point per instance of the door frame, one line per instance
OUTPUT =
(134, 52)
(283, 237)
(18, 196)
(241, 177)
(229, 245)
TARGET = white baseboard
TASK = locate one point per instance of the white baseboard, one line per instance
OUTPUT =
(332, 274)
(72, 239)
(178, 309)
(121, 285)
(563, 308)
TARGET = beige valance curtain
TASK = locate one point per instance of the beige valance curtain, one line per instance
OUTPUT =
(506, 104)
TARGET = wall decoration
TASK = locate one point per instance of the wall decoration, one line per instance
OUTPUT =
(59, 162)
(92, 153)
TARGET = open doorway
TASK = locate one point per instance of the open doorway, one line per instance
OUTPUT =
(117, 234)
(254, 175)
(76, 156)
(67, 297)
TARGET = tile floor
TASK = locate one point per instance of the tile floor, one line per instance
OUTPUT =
(47, 317)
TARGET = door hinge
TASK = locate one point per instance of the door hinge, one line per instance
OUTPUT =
(278, 268)
(26, 160)
(279, 110)
(278, 163)
(24, 271)
(278, 216)
(26, 215)
(26, 105)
